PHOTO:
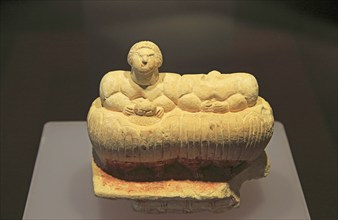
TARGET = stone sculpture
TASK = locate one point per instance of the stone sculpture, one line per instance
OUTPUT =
(177, 143)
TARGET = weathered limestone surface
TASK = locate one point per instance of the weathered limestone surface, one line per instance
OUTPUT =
(180, 134)
(149, 128)
(179, 195)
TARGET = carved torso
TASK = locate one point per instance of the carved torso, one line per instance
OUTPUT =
(163, 93)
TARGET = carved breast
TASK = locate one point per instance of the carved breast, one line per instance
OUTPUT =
(133, 91)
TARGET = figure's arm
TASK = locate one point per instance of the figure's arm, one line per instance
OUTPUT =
(163, 104)
(119, 102)
(189, 102)
(247, 87)
(234, 103)
(111, 97)
(237, 103)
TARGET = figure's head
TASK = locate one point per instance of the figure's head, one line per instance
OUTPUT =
(145, 56)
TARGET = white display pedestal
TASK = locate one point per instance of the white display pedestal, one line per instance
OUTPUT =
(62, 187)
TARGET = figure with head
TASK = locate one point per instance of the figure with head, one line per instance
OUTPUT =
(145, 59)
(141, 90)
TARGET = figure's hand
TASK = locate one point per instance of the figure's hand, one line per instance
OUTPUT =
(220, 107)
(206, 106)
(214, 106)
(159, 111)
(129, 109)
(139, 111)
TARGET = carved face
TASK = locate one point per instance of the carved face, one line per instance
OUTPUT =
(144, 60)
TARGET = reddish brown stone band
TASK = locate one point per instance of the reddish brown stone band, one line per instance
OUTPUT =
(176, 169)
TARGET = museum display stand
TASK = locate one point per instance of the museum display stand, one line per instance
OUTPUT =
(62, 188)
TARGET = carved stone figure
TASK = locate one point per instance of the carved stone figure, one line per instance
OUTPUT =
(148, 126)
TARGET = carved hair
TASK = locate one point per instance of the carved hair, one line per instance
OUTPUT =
(149, 45)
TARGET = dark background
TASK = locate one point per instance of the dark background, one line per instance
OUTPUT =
(54, 53)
